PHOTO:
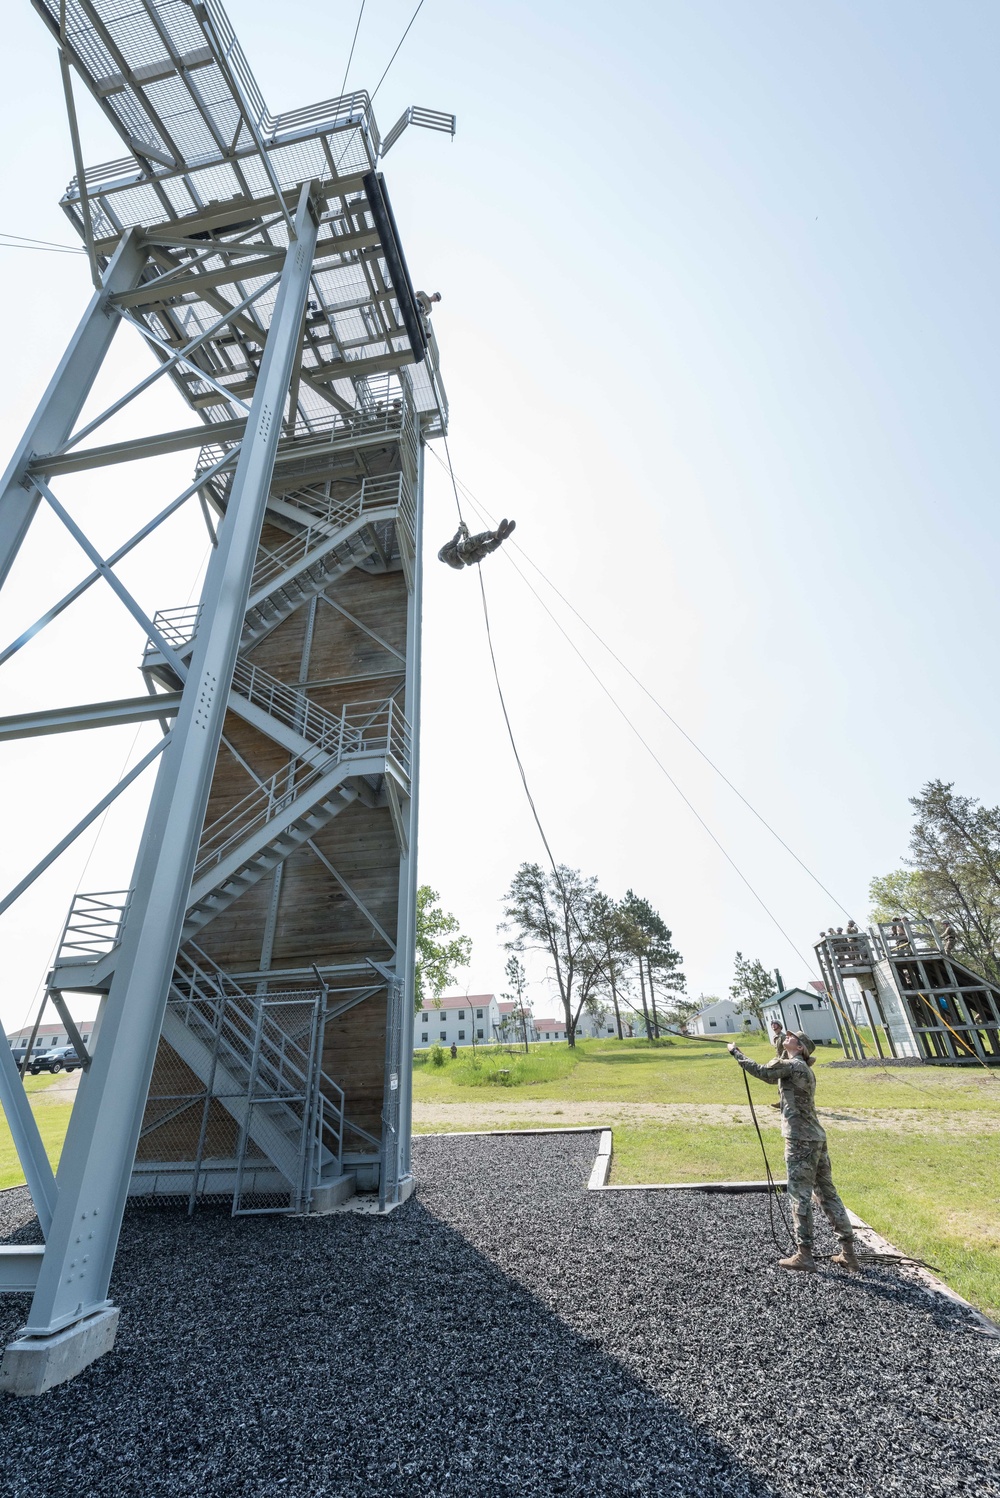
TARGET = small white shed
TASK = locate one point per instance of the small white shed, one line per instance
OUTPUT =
(803, 1009)
(721, 1018)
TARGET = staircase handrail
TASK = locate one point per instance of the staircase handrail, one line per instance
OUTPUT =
(363, 728)
(327, 516)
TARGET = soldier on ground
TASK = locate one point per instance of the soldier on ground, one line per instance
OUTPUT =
(806, 1155)
(464, 550)
(777, 1035)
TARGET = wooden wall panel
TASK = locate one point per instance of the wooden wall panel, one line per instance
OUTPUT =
(317, 921)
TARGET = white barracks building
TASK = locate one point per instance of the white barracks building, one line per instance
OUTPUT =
(472, 1018)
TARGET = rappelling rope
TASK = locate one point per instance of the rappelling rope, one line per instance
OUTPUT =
(458, 506)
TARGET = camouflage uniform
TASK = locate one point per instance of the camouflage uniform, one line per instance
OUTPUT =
(806, 1155)
(464, 550)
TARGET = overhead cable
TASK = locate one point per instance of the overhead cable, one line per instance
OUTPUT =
(478, 505)
(402, 39)
(653, 755)
(354, 43)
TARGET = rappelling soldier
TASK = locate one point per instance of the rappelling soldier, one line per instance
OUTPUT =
(806, 1156)
(464, 550)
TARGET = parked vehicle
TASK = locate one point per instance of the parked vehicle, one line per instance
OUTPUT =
(62, 1058)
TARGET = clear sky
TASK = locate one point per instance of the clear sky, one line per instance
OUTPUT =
(720, 329)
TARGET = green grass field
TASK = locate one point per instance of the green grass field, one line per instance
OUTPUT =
(916, 1151)
(52, 1118)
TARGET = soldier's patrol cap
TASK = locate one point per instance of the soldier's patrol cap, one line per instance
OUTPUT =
(809, 1045)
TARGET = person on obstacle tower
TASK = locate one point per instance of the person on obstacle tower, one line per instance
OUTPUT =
(806, 1154)
(464, 550)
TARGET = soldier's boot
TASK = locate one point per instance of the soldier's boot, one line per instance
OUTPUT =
(847, 1258)
(802, 1258)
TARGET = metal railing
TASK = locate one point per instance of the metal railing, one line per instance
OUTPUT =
(290, 705)
(177, 626)
(391, 416)
(328, 515)
(363, 728)
(94, 925)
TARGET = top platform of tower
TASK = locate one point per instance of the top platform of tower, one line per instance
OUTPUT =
(212, 180)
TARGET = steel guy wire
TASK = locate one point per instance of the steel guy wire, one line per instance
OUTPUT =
(354, 43)
(52, 244)
(478, 504)
(402, 39)
(392, 59)
(662, 767)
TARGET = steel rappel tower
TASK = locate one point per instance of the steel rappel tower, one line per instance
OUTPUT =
(254, 984)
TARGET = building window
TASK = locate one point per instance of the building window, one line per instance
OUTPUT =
(611, 1029)
(423, 1038)
(443, 1035)
(546, 1035)
(86, 1038)
(805, 1008)
(713, 1024)
(461, 1014)
(461, 1034)
(479, 1014)
(479, 1034)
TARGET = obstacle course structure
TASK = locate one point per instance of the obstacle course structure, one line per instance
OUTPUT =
(906, 984)
(255, 981)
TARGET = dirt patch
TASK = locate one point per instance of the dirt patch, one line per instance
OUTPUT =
(522, 1113)
(62, 1090)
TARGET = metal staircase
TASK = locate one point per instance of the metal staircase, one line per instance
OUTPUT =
(371, 529)
(339, 759)
(258, 1058)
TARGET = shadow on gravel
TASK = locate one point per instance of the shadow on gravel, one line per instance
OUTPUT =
(345, 1356)
(508, 1332)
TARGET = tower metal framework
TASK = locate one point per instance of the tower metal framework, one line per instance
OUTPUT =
(255, 980)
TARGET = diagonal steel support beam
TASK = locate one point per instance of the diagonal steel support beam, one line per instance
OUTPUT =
(112, 561)
(60, 406)
(82, 825)
(176, 356)
(104, 1128)
(27, 1140)
(114, 582)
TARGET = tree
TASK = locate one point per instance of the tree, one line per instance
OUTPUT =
(751, 987)
(517, 1020)
(649, 940)
(609, 933)
(952, 874)
(682, 1011)
(441, 948)
(551, 913)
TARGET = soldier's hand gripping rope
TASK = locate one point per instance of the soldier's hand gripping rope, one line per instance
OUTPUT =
(464, 550)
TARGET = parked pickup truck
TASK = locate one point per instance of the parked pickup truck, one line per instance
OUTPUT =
(62, 1058)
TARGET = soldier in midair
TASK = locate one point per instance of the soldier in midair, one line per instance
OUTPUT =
(464, 550)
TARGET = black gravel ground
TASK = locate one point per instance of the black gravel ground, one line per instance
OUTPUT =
(507, 1332)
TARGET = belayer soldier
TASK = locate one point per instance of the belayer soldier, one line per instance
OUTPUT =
(464, 550)
(806, 1155)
